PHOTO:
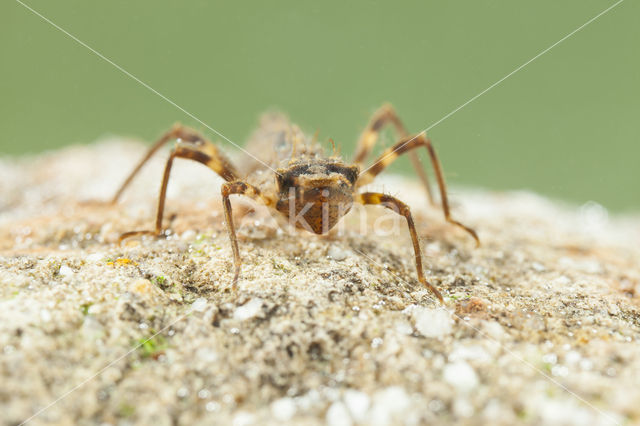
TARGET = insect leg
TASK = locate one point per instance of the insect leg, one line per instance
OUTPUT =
(194, 148)
(382, 117)
(188, 136)
(409, 144)
(401, 208)
(239, 188)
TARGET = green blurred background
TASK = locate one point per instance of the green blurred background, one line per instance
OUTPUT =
(566, 125)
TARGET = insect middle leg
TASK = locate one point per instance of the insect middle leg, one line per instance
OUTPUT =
(409, 144)
(184, 134)
(190, 146)
(382, 117)
(401, 208)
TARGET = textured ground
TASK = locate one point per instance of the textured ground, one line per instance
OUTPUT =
(541, 324)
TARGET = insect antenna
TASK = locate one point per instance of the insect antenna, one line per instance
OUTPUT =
(293, 149)
(333, 145)
(294, 143)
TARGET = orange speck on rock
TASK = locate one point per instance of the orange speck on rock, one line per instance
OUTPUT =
(122, 262)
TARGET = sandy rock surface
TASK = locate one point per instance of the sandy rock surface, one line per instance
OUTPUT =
(541, 323)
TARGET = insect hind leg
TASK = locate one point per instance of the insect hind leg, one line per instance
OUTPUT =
(384, 116)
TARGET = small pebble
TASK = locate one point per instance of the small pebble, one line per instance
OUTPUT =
(45, 315)
(212, 406)
(538, 267)
(337, 253)
(432, 322)
(206, 355)
(199, 305)
(358, 403)
(95, 257)
(188, 235)
(243, 419)
(337, 415)
(248, 310)
(470, 353)
(283, 409)
(461, 376)
(493, 330)
(462, 408)
(65, 271)
(389, 406)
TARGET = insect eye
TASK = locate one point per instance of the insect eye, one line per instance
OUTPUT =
(352, 174)
(284, 181)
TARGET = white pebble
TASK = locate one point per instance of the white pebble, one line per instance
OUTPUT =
(494, 412)
(389, 406)
(45, 315)
(199, 305)
(337, 415)
(461, 376)
(562, 281)
(248, 310)
(403, 327)
(572, 357)
(188, 235)
(243, 419)
(432, 322)
(95, 257)
(283, 409)
(493, 330)
(469, 353)
(559, 411)
(212, 406)
(538, 267)
(65, 271)
(462, 408)
(206, 355)
(337, 253)
(358, 403)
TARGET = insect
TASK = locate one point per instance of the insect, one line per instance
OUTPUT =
(288, 172)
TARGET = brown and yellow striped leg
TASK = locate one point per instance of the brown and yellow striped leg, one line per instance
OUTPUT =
(190, 137)
(385, 115)
(239, 188)
(190, 146)
(401, 208)
(408, 144)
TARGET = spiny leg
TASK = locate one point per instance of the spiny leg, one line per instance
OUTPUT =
(193, 148)
(239, 188)
(383, 116)
(187, 135)
(401, 208)
(409, 144)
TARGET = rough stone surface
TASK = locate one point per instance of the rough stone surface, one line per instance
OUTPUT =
(541, 323)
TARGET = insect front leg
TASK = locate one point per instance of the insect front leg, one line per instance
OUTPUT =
(239, 188)
(401, 208)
